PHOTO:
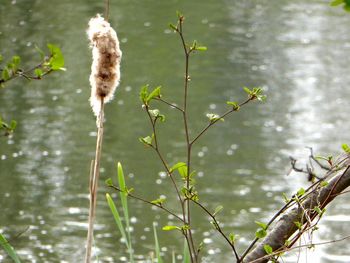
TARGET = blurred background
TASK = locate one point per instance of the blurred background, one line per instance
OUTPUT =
(296, 50)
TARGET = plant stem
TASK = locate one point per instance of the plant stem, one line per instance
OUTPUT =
(215, 121)
(187, 52)
(94, 176)
(150, 203)
(107, 10)
(218, 228)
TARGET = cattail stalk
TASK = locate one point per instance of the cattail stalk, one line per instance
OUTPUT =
(94, 175)
(104, 79)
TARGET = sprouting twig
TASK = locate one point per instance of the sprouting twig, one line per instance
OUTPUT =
(218, 228)
(149, 202)
(219, 118)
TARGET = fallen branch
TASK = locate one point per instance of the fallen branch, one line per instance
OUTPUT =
(286, 227)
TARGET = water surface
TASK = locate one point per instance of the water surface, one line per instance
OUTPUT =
(295, 50)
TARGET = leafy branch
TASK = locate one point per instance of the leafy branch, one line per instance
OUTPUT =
(7, 128)
(54, 61)
(188, 192)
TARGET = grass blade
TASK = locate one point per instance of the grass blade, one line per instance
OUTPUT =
(123, 195)
(117, 218)
(186, 255)
(9, 249)
(123, 198)
(156, 243)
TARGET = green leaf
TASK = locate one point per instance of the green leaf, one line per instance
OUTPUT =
(186, 253)
(121, 178)
(56, 61)
(247, 90)
(287, 243)
(154, 94)
(156, 114)
(285, 198)
(183, 171)
(117, 218)
(261, 224)
(260, 233)
(179, 14)
(170, 228)
(214, 117)
(11, 66)
(144, 94)
(301, 192)
(261, 98)
(298, 224)
(16, 60)
(234, 105)
(13, 125)
(337, 2)
(9, 249)
(124, 193)
(42, 53)
(232, 237)
(123, 197)
(156, 244)
(146, 140)
(324, 183)
(345, 147)
(158, 201)
(194, 44)
(38, 72)
(201, 48)
(5, 74)
(217, 210)
(173, 27)
(268, 249)
(109, 182)
(1, 58)
(319, 211)
(177, 166)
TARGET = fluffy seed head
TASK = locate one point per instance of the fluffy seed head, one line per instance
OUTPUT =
(106, 56)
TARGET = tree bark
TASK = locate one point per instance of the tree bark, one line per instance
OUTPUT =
(285, 227)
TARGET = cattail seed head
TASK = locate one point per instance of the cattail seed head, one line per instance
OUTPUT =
(106, 56)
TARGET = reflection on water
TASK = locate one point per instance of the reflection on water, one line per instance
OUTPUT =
(296, 51)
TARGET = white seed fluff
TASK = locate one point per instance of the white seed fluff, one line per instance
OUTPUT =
(106, 57)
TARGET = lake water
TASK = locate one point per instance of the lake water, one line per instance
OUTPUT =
(296, 50)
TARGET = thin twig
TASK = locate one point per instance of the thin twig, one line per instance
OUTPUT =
(156, 148)
(218, 228)
(216, 120)
(149, 202)
(279, 251)
(169, 104)
(193, 250)
(25, 73)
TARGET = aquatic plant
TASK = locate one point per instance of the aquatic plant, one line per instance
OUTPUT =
(104, 79)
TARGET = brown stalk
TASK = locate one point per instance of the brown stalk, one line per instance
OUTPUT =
(94, 176)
